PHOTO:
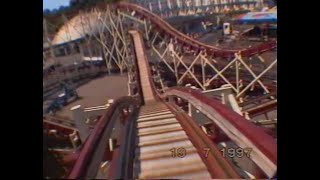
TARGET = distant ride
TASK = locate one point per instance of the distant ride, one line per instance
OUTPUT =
(54, 104)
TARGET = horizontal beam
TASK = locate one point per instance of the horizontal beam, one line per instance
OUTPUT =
(261, 108)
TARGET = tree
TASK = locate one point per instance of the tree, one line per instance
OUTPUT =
(61, 8)
(46, 12)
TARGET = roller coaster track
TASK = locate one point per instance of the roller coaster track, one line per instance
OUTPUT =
(108, 24)
(154, 131)
(157, 139)
(162, 25)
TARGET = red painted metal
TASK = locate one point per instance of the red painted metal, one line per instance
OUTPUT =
(264, 142)
(59, 127)
(218, 166)
(258, 110)
(70, 159)
(89, 145)
(194, 44)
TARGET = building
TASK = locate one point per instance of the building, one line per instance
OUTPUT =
(72, 43)
(161, 6)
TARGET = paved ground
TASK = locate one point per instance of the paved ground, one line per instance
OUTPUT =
(97, 92)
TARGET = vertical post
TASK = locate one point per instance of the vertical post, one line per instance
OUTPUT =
(203, 64)
(175, 69)
(146, 29)
(234, 104)
(129, 84)
(78, 116)
(237, 76)
(161, 82)
(223, 98)
(74, 138)
(189, 109)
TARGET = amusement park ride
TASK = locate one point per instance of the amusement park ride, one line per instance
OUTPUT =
(193, 110)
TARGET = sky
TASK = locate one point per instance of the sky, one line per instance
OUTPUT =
(53, 4)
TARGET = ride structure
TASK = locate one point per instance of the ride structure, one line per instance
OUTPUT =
(151, 133)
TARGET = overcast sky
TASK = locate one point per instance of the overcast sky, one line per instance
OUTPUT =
(53, 4)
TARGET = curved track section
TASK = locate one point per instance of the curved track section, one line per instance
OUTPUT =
(92, 150)
(162, 25)
(238, 129)
(162, 128)
(164, 142)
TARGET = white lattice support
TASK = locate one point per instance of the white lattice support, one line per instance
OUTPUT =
(155, 36)
(161, 82)
(115, 45)
(115, 29)
(237, 76)
(257, 78)
(252, 73)
(117, 33)
(146, 29)
(125, 45)
(175, 64)
(162, 56)
(203, 69)
(219, 73)
(261, 59)
(123, 50)
(102, 41)
(188, 70)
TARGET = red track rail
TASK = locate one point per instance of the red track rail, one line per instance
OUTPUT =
(89, 145)
(190, 42)
(264, 142)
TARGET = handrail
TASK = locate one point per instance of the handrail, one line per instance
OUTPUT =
(122, 166)
(240, 130)
(218, 166)
(71, 127)
(89, 145)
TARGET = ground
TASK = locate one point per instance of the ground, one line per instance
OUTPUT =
(97, 92)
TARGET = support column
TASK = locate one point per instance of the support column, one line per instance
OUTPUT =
(189, 109)
(79, 119)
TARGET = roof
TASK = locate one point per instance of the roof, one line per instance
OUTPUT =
(77, 28)
(258, 17)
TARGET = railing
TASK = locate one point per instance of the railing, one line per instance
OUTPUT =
(217, 165)
(122, 165)
(105, 124)
(236, 127)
